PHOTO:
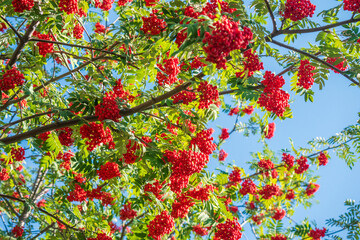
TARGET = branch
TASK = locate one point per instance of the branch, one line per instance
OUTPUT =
(10, 101)
(44, 230)
(314, 58)
(78, 46)
(24, 119)
(329, 148)
(21, 45)
(311, 30)
(11, 26)
(41, 210)
(272, 16)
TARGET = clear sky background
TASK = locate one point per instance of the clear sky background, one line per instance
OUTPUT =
(334, 108)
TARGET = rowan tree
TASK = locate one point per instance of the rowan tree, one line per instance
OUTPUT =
(105, 106)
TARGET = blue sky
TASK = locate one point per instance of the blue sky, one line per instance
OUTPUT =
(334, 108)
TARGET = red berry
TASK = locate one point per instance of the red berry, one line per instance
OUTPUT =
(208, 94)
(162, 224)
(153, 25)
(311, 189)
(17, 231)
(305, 74)
(323, 160)
(69, 6)
(22, 5)
(225, 38)
(270, 130)
(78, 31)
(352, 5)
(127, 212)
(11, 78)
(230, 230)
(317, 233)
(297, 10)
(109, 171)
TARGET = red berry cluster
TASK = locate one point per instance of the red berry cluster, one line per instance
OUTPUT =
(269, 191)
(127, 212)
(201, 193)
(208, 94)
(225, 38)
(161, 225)
(69, 6)
(198, 230)
(41, 203)
(302, 165)
(270, 130)
(66, 157)
(185, 96)
(235, 176)
(123, 2)
(17, 231)
(229, 230)
(99, 28)
(204, 141)
(209, 10)
(107, 199)
(108, 171)
(352, 5)
(119, 90)
(96, 135)
(44, 136)
(153, 25)
(222, 155)
(11, 79)
(101, 236)
(290, 194)
(258, 218)
(184, 164)
(224, 134)
(3, 27)
(79, 177)
(342, 66)
(171, 69)
(312, 188)
(234, 111)
(273, 98)
(22, 5)
(64, 135)
(78, 31)
(4, 175)
(248, 110)
(265, 166)
(251, 64)
(150, 3)
(305, 74)
(18, 154)
(81, 13)
(279, 214)
(279, 237)
(297, 10)
(323, 160)
(317, 233)
(155, 188)
(109, 108)
(181, 206)
(77, 195)
(288, 160)
(106, 5)
(248, 187)
(181, 37)
(44, 48)
(130, 156)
